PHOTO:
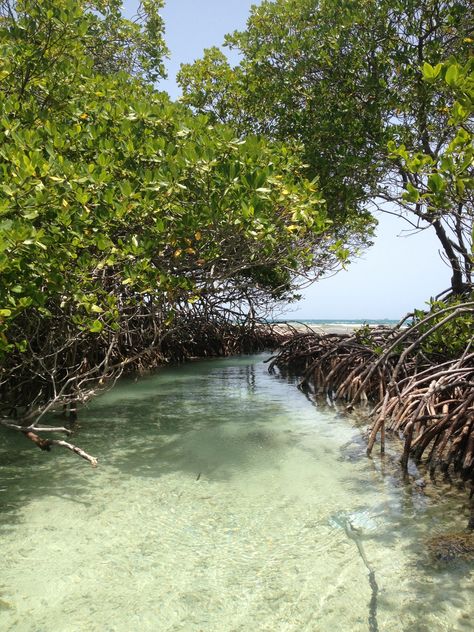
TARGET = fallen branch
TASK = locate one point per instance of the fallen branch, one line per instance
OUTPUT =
(46, 444)
(69, 446)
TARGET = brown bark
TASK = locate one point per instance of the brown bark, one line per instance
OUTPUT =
(43, 444)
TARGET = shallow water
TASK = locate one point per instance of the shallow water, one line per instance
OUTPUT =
(221, 504)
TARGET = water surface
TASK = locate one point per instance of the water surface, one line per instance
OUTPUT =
(221, 504)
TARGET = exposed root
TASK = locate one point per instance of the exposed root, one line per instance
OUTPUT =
(190, 337)
(425, 397)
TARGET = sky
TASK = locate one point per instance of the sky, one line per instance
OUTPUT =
(397, 274)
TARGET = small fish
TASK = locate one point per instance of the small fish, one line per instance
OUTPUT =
(198, 476)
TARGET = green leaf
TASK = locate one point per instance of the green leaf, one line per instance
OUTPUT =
(22, 346)
(126, 188)
(436, 182)
(96, 327)
(102, 242)
(430, 73)
(452, 75)
(412, 194)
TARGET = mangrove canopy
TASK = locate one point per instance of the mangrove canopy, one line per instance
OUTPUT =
(127, 222)
(361, 84)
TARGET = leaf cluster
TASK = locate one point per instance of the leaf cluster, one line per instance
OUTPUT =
(452, 338)
(305, 76)
(123, 214)
(352, 82)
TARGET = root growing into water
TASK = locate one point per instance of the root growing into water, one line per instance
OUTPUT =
(34, 392)
(419, 393)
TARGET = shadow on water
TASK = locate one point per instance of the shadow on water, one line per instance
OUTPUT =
(433, 575)
(26, 474)
(417, 511)
(216, 448)
(146, 427)
(212, 421)
(411, 517)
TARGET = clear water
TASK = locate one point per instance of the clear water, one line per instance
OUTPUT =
(220, 505)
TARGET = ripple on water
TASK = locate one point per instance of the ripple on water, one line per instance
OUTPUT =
(219, 505)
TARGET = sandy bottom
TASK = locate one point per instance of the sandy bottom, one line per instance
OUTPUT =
(221, 504)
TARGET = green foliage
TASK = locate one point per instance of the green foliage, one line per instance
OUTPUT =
(451, 339)
(134, 46)
(46, 40)
(364, 336)
(305, 75)
(113, 199)
(441, 184)
(373, 338)
(446, 179)
(355, 82)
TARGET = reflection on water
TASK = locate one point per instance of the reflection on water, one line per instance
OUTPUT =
(221, 503)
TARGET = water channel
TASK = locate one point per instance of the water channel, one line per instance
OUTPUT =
(225, 501)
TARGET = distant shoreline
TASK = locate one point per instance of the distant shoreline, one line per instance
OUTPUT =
(332, 327)
(341, 321)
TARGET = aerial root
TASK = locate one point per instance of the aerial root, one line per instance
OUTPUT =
(191, 337)
(427, 401)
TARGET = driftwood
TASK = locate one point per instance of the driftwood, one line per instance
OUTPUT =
(426, 399)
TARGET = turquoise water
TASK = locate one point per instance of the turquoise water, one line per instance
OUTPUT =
(225, 501)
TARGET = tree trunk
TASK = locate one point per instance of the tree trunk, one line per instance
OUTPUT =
(458, 284)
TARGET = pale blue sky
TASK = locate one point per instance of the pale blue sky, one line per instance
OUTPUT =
(397, 274)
